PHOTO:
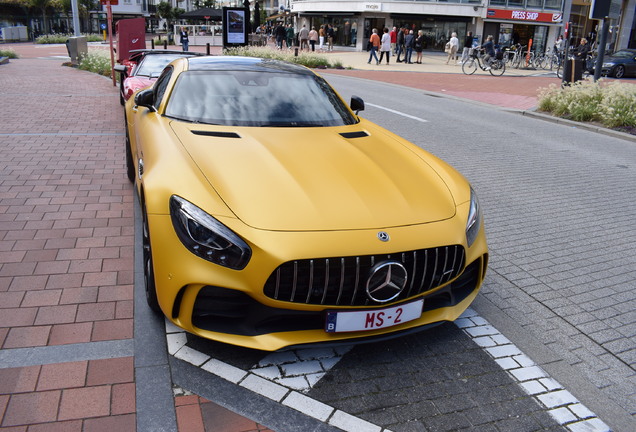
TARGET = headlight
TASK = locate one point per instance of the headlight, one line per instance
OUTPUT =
(206, 237)
(474, 219)
(608, 65)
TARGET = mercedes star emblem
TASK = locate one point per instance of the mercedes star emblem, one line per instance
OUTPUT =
(386, 281)
(384, 236)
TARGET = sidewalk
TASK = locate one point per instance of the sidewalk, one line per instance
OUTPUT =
(68, 357)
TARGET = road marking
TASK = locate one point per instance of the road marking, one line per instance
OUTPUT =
(560, 403)
(279, 376)
(397, 112)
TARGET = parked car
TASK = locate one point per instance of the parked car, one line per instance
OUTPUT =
(275, 216)
(142, 68)
(620, 64)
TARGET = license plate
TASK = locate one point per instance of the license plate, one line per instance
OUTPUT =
(373, 319)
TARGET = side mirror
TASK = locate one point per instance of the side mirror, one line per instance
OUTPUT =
(120, 68)
(145, 98)
(357, 104)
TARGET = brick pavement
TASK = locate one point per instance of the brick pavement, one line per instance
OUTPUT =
(66, 256)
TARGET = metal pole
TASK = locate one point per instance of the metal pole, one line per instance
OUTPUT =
(76, 24)
(601, 49)
(110, 39)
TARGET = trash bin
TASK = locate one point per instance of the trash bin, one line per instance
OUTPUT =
(572, 70)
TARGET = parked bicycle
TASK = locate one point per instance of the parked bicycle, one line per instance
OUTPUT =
(496, 68)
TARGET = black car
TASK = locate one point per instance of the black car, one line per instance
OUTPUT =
(620, 64)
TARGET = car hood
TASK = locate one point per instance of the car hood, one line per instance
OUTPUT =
(315, 179)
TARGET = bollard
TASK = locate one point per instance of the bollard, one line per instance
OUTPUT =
(152, 43)
(165, 44)
(207, 48)
(296, 52)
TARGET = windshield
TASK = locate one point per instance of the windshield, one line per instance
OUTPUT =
(248, 98)
(152, 65)
(624, 54)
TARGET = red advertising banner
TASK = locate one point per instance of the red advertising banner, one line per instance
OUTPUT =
(524, 15)
(112, 2)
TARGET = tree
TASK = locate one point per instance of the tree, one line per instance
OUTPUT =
(41, 5)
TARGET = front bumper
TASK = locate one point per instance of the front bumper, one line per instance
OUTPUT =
(232, 307)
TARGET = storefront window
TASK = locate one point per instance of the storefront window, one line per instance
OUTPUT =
(553, 4)
(436, 33)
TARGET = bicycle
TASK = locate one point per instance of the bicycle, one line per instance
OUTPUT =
(497, 66)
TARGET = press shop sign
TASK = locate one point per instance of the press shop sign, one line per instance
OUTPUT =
(522, 15)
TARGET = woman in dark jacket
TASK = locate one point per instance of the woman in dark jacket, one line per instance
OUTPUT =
(419, 46)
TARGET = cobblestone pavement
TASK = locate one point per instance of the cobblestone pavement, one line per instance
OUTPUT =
(71, 353)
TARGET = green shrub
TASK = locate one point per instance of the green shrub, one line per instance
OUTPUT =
(96, 62)
(9, 53)
(307, 59)
(60, 38)
(618, 107)
(613, 105)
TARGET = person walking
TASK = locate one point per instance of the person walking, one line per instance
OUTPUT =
(289, 36)
(321, 38)
(313, 38)
(419, 46)
(468, 44)
(393, 35)
(454, 46)
(280, 34)
(409, 43)
(374, 44)
(400, 45)
(183, 38)
(331, 35)
(303, 37)
(385, 46)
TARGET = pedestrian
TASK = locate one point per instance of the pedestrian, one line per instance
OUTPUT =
(183, 38)
(289, 36)
(419, 46)
(400, 45)
(409, 42)
(393, 35)
(468, 44)
(331, 35)
(280, 33)
(454, 46)
(321, 37)
(313, 38)
(374, 44)
(385, 46)
(303, 37)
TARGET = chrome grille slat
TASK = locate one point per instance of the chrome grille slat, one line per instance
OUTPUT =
(340, 281)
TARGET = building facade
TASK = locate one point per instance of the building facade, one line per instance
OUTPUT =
(538, 22)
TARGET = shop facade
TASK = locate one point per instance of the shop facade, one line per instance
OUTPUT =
(509, 21)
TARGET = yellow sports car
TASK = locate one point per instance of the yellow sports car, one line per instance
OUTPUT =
(274, 216)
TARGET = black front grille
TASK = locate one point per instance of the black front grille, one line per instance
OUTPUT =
(342, 281)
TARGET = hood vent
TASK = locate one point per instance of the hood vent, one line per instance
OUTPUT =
(217, 134)
(360, 134)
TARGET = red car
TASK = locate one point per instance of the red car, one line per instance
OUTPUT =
(143, 67)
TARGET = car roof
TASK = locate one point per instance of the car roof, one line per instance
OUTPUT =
(244, 63)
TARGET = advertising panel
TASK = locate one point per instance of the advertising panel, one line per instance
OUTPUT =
(234, 27)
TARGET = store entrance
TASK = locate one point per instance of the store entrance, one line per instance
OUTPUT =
(370, 24)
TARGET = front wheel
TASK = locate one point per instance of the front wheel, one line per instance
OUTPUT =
(559, 72)
(149, 270)
(470, 66)
(497, 68)
(619, 72)
(130, 166)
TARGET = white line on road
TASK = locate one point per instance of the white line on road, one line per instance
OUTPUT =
(397, 112)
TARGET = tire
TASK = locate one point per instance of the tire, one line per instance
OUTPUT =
(559, 72)
(470, 66)
(130, 165)
(619, 71)
(149, 270)
(497, 68)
